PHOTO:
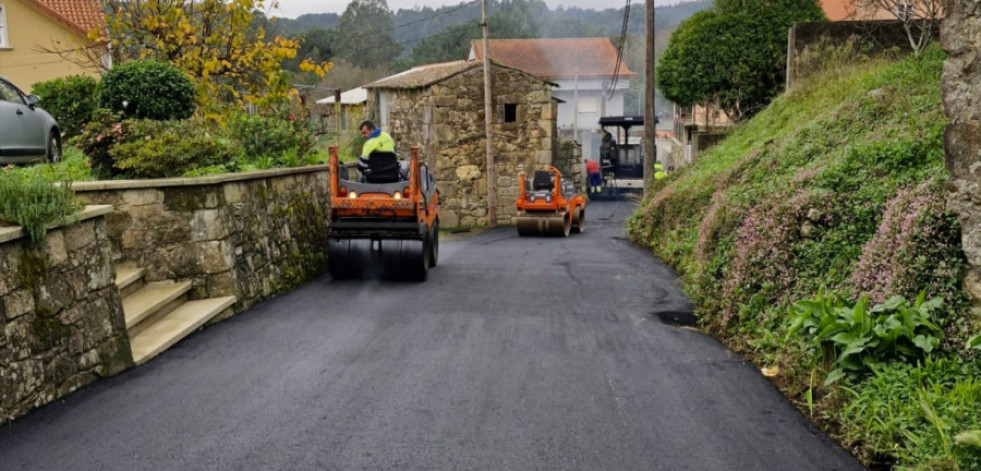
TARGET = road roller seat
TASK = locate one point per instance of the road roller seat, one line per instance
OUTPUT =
(383, 167)
(543, 180)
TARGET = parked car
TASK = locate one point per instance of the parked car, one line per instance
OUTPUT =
(27, 132)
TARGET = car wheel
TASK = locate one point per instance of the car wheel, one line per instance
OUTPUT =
(54, 147)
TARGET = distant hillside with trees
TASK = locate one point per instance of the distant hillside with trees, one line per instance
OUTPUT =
(369, 41)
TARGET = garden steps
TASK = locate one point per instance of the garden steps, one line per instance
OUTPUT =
(152, 299)
(176, 325)
(129, 280)
(158, 314)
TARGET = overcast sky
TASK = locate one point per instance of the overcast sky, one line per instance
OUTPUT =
(295, 8)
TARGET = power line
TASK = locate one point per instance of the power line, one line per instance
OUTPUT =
(623, 39)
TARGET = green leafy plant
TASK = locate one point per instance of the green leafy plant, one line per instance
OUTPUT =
(854, 338)
(974, 342)
(33, 202)
(70, 100)
(163, 149)
(147, 89)
(105, 130)
(270, 136)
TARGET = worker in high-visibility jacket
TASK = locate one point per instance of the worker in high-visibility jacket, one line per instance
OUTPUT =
(375, 140)
(659, 173)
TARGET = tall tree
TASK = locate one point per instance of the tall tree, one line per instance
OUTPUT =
(217, 43)
(365, 34)
(733, 55)
(518, 18)
(452, 43)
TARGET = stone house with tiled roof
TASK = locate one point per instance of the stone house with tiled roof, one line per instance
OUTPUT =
(440, 108)
(32, 31)
(591, 81)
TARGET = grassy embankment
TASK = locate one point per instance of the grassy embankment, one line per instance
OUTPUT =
(835, 192)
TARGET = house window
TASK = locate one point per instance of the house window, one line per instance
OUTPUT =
(510, 113)
(904, 11)
(3, 27)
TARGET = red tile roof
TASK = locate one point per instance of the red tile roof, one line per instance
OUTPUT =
(838, 10)
(80, 15)
(848, 10)
(556, 58)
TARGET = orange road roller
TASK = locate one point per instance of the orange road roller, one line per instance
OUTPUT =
(386, 223)
(549, 205)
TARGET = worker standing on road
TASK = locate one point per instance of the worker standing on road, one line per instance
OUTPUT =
(594, 176)
(375, 139)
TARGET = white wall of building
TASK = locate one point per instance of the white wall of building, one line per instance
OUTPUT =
(592, 105)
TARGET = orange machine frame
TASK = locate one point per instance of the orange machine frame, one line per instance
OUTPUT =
(378, 204)
(559, 201)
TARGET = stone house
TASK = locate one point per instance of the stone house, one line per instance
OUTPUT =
(40, 40)
(440, 108)
(347, 115)
(591, 82)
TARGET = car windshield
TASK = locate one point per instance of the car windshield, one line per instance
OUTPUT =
(9, 93)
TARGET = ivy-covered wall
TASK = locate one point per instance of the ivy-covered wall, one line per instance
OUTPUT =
(61, 319)
(249, 235)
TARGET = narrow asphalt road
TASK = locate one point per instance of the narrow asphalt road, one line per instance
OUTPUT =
(517, 354)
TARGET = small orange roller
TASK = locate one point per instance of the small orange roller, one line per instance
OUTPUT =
(549, 206)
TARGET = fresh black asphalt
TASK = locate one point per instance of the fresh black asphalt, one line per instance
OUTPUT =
(517, 354)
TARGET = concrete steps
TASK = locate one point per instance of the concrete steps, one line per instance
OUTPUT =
(158, 314)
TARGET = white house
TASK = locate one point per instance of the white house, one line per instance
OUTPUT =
(591, 82)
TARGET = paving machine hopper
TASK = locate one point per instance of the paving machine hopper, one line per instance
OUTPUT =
(549, 205)
(387, 225)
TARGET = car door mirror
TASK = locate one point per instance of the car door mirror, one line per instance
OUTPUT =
(33, 100)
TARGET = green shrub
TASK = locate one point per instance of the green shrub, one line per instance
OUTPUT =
(31, 201)
(855, 338)
(69, 100)
(147, 90)
(164, 149)
(105, 130)
(270, 136)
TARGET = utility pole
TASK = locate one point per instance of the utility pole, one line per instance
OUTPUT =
(338, 109)
(575, 108)
(650, 120)
(488, 127)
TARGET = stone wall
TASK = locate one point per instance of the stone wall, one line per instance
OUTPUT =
(410, 120)
(60, 313)
(870, 38)
(961, 85)
(447, 121)
(569, 161)
(249, 235)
